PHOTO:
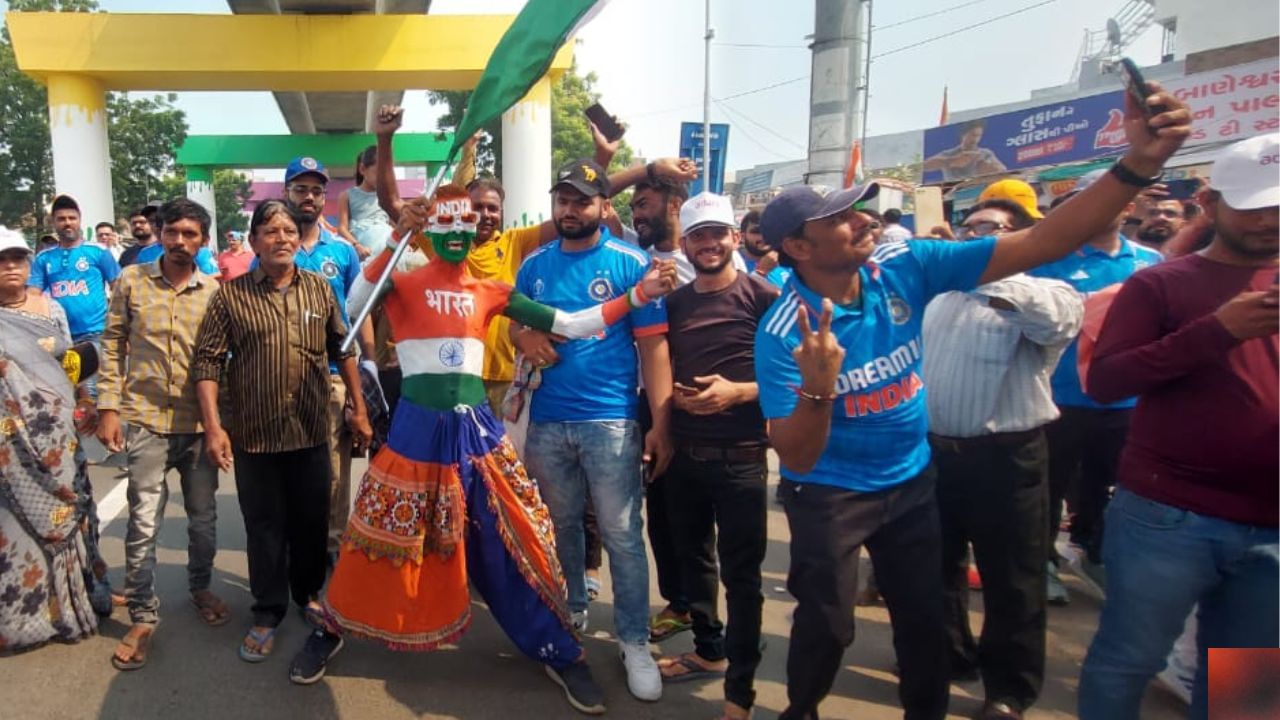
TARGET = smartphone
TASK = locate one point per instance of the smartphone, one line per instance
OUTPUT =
(1136, 85)
(607, 123)
(686, 390)
(929, 211)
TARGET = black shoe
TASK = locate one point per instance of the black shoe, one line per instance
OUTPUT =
(309, 664)
(579, 687)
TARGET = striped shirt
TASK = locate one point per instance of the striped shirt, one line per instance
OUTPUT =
(147, 346)
(280, 342)
(988, 370)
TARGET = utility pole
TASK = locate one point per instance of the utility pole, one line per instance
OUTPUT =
(706, 104)
(835, 115)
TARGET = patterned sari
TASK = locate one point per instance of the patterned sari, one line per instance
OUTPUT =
(45, 564)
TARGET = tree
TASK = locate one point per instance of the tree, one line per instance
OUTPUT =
(231, 191)
(571, 95)
(142, 135)
(26, 159)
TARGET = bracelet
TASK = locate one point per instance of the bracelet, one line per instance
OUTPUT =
(815, 398)
(1129, 177)
(636, 297)
(649, 173)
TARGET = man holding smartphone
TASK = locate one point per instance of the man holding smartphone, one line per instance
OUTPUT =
(719, 465)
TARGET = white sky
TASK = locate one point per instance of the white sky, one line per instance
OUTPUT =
(648, 55)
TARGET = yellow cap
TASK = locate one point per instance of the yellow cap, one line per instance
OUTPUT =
(1015, 191)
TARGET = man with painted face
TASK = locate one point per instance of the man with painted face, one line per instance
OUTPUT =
(446, 500)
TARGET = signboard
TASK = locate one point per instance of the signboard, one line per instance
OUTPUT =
(691, 147)
(1229, 104)
(756, 183)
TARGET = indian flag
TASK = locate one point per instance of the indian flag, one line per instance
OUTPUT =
(521, 57)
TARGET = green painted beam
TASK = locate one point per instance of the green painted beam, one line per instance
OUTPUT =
(249, 151)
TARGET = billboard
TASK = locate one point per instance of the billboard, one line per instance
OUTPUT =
(691, 147)
(1228, 104)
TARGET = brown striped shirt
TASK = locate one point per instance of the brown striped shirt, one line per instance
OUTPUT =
(280, 343)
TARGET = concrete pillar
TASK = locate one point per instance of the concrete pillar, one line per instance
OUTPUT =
(834, 114)
(200, 189)
(78, 131)
(526, 158)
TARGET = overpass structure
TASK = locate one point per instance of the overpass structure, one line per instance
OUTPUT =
(81, 56)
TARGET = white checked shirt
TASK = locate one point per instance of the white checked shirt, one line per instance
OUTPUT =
(988, 370)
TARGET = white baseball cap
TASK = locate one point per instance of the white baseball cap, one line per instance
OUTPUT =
(1247, 173)
(12, 240)
(706, 209)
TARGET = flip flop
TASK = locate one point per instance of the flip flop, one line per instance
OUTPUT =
(661, 628)
(138, 645)
(261, 638)
(693, 671)
(211, 608)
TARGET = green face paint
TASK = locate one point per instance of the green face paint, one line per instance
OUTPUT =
(452, 247)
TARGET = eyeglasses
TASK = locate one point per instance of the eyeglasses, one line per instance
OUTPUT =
(466, 218)
(981, 228)
(304, 191)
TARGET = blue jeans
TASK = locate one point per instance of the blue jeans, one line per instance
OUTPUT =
(1161, 561)
(568, 457)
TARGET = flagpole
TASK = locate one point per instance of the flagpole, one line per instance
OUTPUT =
(866, 78)
(706, 104)
(405, 242)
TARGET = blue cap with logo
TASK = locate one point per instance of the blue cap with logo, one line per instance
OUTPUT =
(793, 207)
(302, 166)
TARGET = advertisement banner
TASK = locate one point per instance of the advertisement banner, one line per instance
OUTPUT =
(1229, 104)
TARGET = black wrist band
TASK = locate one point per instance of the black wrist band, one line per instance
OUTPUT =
(1129, 177)
(648, 172)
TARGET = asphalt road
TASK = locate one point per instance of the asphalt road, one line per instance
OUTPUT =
(195, 674)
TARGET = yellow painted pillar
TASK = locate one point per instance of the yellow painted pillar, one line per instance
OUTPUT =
(78, 130)
(526, 153)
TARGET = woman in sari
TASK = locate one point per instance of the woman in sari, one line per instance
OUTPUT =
(45, 561)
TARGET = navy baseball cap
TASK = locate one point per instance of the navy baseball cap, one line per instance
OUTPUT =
(303, 165)
(584, 175)
(793, 207)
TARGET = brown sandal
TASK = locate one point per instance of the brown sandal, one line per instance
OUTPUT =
(138, 642)
(213, 610)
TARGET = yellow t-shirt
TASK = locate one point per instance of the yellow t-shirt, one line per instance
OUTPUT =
(500, 259)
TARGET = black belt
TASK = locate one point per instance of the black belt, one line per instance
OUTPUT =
(1003, 439)
(718, 453)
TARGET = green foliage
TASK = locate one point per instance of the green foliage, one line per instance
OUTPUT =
(142, 135)
(26, 161)
(489, 149)
(231, 191)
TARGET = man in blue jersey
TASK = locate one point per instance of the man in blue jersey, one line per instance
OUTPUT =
(1085, 442)
(151, 252)
(582, 421)
(334, 259)
(76, 274)
(847, 413)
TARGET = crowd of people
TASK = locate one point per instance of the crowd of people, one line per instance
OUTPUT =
(531, 396)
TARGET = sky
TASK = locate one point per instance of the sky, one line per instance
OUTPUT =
(648, 56)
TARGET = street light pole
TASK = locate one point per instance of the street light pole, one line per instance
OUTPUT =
(706, 104)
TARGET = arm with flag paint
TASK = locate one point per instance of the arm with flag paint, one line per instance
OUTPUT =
(658, 282)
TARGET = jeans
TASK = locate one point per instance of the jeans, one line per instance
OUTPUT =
(284, 498)
(1161, 561)
(722, 509)
(151, 458)
(568, 457)
(900, 528)
(994, 495)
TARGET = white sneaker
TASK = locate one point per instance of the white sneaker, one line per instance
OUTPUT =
(1178, 686)
(579, 621)
(644, 680)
